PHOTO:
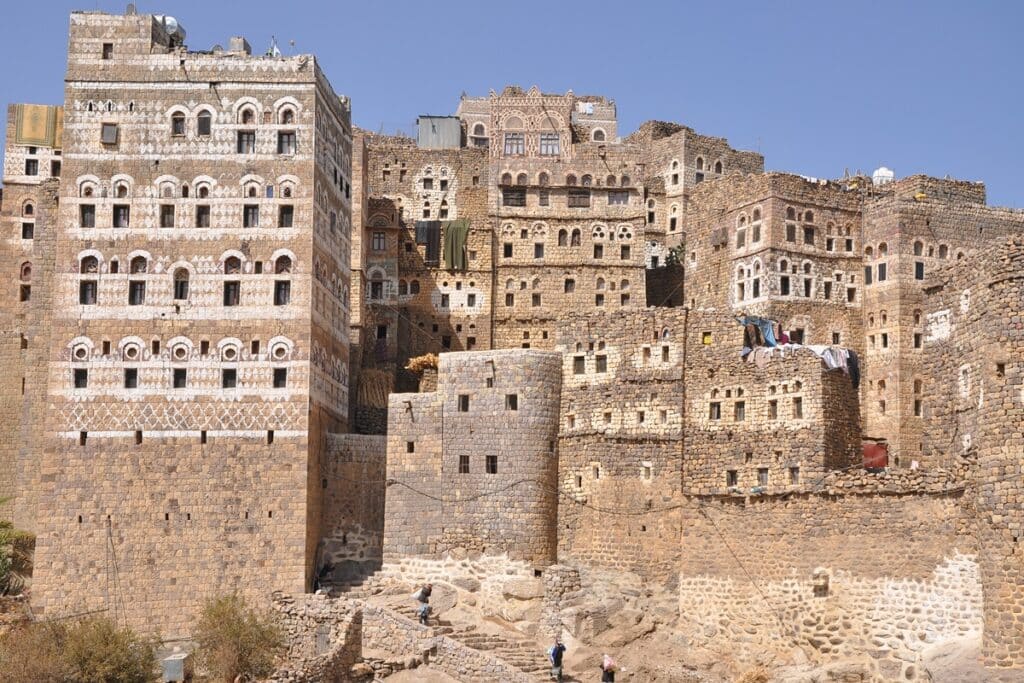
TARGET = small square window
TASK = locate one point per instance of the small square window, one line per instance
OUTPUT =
(285, 216)
(798, 407)
(28, 231)
(731, 478)
(715, 411)
(229, 378)
(410, 446)
(131, 378)
(108, 133)
(463, 403)
(81, 378)
(601, 363)
(280, 378)
(538, 251)
(624, 252)
(579, 365)
(87, 215)
(463, 464)
(762, 476)
(492, 464)
(180, 378)
(599, 251)
(511, 402)
(108, 51)
(739, 411)
(166, 215)
(203, 216)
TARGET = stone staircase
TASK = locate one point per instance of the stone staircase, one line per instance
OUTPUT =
(518, 651)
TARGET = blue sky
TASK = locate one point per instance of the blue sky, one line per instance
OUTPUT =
(817, 87)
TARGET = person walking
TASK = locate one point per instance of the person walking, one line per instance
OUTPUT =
(608, 668)
(555, 654)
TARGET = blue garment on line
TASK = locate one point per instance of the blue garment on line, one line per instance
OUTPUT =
(766, 326)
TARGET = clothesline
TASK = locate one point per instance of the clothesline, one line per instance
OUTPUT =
(764, 338)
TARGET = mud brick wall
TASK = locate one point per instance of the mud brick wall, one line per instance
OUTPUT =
(501, 405)
(974, 403)
(352, 477)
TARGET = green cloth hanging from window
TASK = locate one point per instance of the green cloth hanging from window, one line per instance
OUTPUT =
(455, 234)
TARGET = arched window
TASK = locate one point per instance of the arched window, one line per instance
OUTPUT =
(184, 191)
(790, 214)
(248, 116)
(25, 273)
(808, 216)
(756, 215)
(943, 251)
(204, 123)
(543, 178)
(414, 287)
(600, 283)
(869, 253)
(570, 179)
(883, 250)
(917, 317)
(28, 209)
(700, 164)
(575, 238)
(610, 181)
(232, 265)
(563, 237)
(918, 248)
(807, 269)
(121, 190)
(586, 181)
(89, 264)
(203, 191)
(181, 284)
(718, 167)
(521, 179)
(443, 211)
(138, 265)
(287, 116)
(479, 130)
(177, 124)
(506, 178)
(403, 288)
(283, 264)
(625, 181)
(597, 135)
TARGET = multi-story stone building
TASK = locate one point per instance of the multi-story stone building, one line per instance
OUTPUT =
(199, 321)
(28, 220)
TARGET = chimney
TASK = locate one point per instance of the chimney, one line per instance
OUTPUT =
(239, 44)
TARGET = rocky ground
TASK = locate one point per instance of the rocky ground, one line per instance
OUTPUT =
(636, 622)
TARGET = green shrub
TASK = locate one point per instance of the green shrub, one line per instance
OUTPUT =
(98, 651)
(236, 640)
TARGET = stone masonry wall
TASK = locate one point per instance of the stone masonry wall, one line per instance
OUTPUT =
(818, 572)
(974, 402)
(352, 477)
(484, 444)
